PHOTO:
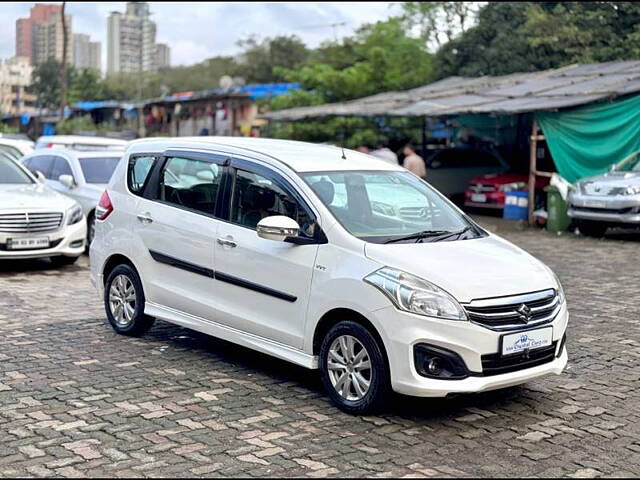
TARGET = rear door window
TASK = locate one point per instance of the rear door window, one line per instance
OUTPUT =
(60, 167)
(138, 172)
(43, 164)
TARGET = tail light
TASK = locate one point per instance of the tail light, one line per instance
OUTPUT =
(105, 207)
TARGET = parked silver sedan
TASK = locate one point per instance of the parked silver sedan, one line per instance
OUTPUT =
(607, 200)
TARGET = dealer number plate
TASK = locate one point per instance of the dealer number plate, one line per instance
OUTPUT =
(529, 340)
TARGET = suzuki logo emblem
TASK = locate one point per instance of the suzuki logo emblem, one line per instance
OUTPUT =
(524, 312)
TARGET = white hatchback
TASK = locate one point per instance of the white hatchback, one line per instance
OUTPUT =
(309, 253)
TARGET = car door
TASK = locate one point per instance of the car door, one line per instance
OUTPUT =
(262, 286)
(176, 221)
(40, 163)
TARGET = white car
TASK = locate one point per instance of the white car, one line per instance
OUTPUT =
(248, 240)
(80, 142)
(80, 175)
(36, 221)
(15, 149)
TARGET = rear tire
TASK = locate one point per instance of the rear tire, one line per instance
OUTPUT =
(62, 261)
(124, 302)
(345, 352)
(592, 229)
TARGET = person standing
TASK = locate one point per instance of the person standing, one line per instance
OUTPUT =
(414, 162)
(385, 154)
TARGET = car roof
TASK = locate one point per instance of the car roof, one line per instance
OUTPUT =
(82, 139)
(14, 142)
(299, 156)
(69, 152)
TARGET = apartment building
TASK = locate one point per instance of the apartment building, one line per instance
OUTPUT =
(15, 76)
(40, 36)
(163, 55)
(131, 40)
(86, 54)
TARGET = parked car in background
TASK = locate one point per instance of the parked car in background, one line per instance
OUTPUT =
(292, 250)
(608, 200)
(450, 170)
(35, 220)
(81, 175)
(489, 191)
(14, 148)
(80, 142)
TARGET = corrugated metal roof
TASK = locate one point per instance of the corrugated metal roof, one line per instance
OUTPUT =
(507, 94)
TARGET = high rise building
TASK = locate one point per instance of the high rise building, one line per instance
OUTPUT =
(39, 37)
(86, 54)
(131, 40)
(15, 76)
(163, 55)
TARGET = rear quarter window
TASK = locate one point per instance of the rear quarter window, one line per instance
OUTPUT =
(138, 172)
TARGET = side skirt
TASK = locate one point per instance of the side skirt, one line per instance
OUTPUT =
(233, 335)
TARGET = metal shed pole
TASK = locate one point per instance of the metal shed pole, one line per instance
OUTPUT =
(533, 148)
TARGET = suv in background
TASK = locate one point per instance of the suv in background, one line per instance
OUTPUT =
(303, 252)
(79, 175)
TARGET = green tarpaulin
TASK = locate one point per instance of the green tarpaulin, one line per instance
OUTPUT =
(587, 140)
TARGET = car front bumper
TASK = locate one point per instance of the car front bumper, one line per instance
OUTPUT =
(623, 209)
(68, 241)
(402, 331)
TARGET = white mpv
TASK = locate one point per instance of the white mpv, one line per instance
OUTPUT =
(326, 258)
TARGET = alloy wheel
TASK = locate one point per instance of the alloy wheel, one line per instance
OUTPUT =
(349, 368)
(122, 300)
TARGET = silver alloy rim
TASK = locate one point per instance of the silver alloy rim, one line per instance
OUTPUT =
(349, 368)
(122, 300)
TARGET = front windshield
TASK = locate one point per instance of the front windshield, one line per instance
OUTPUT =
(629, 164)
(98, 170)
(11, 173)
(379, 207)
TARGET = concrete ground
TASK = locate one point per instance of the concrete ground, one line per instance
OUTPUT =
(78, 400)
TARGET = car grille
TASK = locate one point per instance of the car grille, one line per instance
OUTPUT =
(515, 312)
(495, 364)
(481, 188)
(30, 222)
(617, 211)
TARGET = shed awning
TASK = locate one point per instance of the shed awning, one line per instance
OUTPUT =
(546, 90)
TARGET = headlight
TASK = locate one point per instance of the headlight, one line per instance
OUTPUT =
(511, 187)
(561, 297)
(415, 295)
(74, 214)
(632, 190)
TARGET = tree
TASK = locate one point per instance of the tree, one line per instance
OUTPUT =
(439, 22)
(46, 83)
(259, 60)
(63, 69)
(86, 85)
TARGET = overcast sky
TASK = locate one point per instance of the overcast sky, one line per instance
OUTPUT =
(196, 31)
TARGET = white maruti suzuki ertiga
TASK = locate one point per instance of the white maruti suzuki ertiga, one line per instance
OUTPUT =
(326, 258)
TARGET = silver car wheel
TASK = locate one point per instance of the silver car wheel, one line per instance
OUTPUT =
(122, 300)
(349, 367)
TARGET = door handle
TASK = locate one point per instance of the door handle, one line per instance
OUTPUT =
(226, 243)
(146, 218)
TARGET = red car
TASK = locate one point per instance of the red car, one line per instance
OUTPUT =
(489, 191)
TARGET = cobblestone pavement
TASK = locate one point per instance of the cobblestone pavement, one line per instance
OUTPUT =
(76, 399)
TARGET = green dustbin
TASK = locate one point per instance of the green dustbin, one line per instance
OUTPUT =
(557, 218)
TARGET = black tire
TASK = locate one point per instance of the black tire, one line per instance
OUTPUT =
(379, 390)
(62, 261)
(139, 322)
(592, 229)
(91, 224)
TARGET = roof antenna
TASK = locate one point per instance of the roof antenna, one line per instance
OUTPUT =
(344, 135)
(343, 155)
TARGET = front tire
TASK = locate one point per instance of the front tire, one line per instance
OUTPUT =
(592, 229)
(124, 302)
(354, 370)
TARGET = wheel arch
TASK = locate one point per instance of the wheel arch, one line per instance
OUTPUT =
(113, 261)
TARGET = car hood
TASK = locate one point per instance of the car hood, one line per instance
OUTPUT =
(499, 178)
(613, 179)
(32, 196)
(468, 269)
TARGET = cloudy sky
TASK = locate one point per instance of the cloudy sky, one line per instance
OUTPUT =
(196, 31)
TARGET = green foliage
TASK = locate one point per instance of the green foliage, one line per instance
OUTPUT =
(4, 128)
(259, 60)
(523, 37)
(75, 125)
(46, 83)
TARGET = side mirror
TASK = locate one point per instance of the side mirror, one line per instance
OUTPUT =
(277, 228)
(67, 181)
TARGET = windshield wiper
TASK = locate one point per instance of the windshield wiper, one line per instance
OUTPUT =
(420, 235)
(459, 233)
